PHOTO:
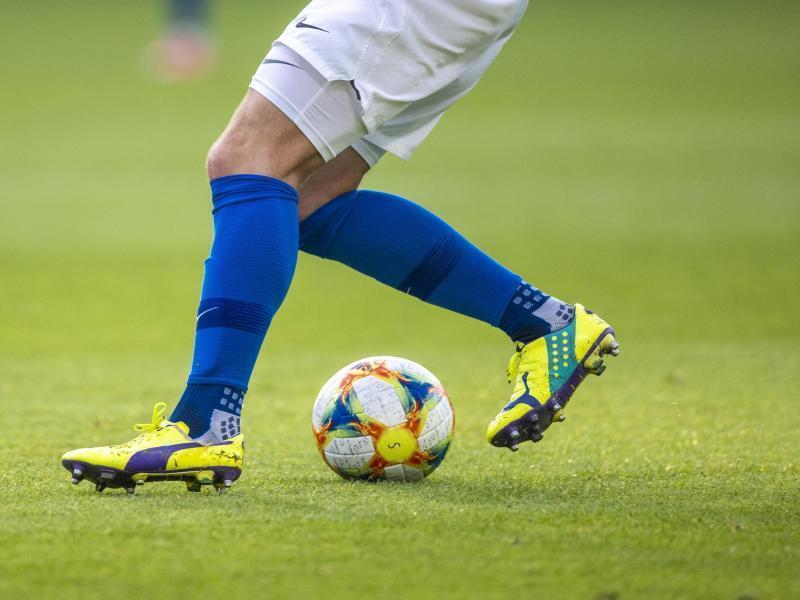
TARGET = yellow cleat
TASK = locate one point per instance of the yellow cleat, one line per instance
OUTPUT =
(546, 372)
(162, 452)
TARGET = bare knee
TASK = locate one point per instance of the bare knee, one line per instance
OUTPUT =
(261, 140)
(223, 159)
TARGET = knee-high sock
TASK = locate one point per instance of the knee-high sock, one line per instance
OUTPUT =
(407, 247)
(247, 276)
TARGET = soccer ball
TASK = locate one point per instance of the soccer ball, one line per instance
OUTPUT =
(383, 418)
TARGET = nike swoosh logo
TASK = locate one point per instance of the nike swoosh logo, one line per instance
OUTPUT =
(303, 25)
(271, 61)
(208, 310)
(358, 97)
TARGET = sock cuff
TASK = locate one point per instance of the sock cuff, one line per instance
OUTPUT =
(235, 189)
(232, 382)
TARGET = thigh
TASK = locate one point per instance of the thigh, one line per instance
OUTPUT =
(328, 113)
(261, 140)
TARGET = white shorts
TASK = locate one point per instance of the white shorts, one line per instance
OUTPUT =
(378, 74)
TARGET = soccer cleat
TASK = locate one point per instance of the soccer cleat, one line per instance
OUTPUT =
(162, 452)
(546, 372)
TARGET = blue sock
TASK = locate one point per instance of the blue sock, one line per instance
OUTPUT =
(403, 245)
(247, 276)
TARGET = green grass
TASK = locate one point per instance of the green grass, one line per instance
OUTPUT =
(642, 158)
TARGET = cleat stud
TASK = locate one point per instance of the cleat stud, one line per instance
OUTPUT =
(193, 486)
(594, 363)
(610, 346)
(562, 417)
(77, 475)
(514, 434)
(533, 417)
(536, 437)
(99, 487)
(205, 477)
(599, 370)
(556, 407)
(513, 448)
(221, 486)
(130, 489)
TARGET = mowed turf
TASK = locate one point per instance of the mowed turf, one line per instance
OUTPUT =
(641, 158)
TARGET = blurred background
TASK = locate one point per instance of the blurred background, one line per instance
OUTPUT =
(651, 151)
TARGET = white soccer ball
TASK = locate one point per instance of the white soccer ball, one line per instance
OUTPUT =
(383, 418)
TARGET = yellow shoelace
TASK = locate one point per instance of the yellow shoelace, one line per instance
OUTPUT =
(157, 419)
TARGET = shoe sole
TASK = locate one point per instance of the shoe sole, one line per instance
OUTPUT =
(221, 478)
(532, 425)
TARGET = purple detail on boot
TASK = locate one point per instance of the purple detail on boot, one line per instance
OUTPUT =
(564, 393)
(155, 459)
(525, 397)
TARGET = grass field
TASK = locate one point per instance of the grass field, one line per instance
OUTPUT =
(641, 158)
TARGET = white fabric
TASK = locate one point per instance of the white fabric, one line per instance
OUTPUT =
(327, 112)
(398, 51)
(401, 63)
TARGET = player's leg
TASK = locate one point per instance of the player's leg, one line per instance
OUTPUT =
(254, 168)
(253, 257)
(266, 152)
(405, 246)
